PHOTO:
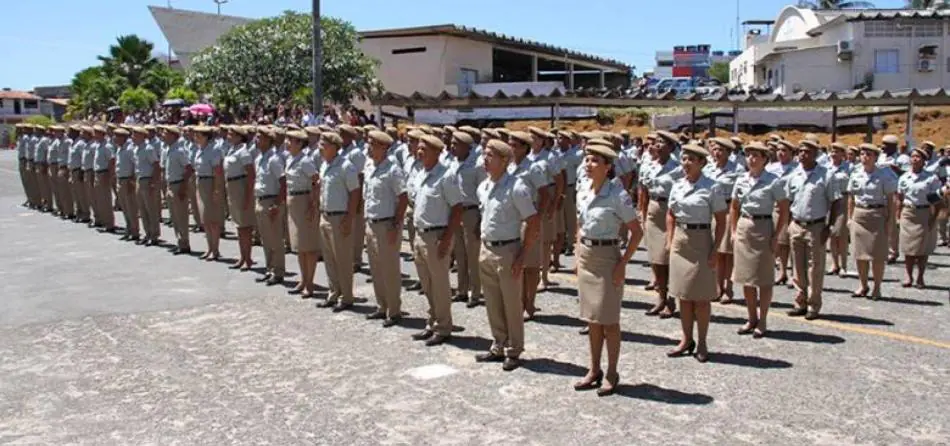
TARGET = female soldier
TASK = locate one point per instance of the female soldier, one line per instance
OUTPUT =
(239, 174)
(724, 171)
(301, 174)
(603, 207)
(918, 195)
(840, 170)
(695, 202)
(209, 167)
(657, 182)
(756, 194)
(870, 207)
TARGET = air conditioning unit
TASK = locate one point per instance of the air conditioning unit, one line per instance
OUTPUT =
(925, 65)
(845, 50)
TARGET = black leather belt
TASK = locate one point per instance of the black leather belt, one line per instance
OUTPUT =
(470, 207)
(869, 206)
(691, 226)
(205, 177)
(102, 171)
(380, 220)
(658, 198)
(498, 243)
(266, 197)
(756, 217)
(804, 223)
(333, 213)
(172, 183)
(434, 228)
(122, 178)
(595, 242)
(298, 192)
(917, 206)
(144, 178)
(239, 177)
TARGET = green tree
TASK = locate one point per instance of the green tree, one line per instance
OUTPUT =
(161, 79)
(137, 99)
(269, 60)
(184, 93)
(130, 58)
(719, 71)
(835, 4)
(39, 120)
(927, 4)
(94, 89)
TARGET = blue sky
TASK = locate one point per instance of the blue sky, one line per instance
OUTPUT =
(44, 42)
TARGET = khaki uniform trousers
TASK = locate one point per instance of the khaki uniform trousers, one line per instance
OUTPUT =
(272, 235)
(193, 200)
(942, 217)
(503, 298)
(570, 214)
(893, 239)
(78, 187)
(359, 234)
(384, 265)
(130, 205)
(150, 208)
(89, 182)
(467, 247)
(33, 191)
(42, 184)
(103, 193)
(808, 259)
(337, 258)
(434, 277)
(410, 227)
(178, 210)
(65, 204)
(52, 177)
(24, 179)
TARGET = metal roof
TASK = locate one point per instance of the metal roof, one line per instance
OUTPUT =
(889, 14)
(189, 32)
(492, 37)
(637, 98)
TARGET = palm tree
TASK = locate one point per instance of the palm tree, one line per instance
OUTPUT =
(130, 58)
(927, 4)
(835, 4)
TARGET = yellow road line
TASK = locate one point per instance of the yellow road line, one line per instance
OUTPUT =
(823, 323)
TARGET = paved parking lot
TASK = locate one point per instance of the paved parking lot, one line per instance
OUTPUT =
(104, 342)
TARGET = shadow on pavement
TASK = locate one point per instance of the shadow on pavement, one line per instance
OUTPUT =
(852, 319)
(559, 319)
(474, 343)
(650, 392)
(747, 361)
(562, 290)
(804, 336)
(643, 338)
(554, 367)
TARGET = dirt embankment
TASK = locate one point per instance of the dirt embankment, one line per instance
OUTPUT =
(931, 123)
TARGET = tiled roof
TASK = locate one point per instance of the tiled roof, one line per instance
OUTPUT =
(10, 94)
(492, 37)
(637, 98)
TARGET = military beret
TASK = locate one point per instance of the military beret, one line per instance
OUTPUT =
(57, 128)
(346, 129)
(625, 132)
(600, 141)
(756, 146)
(311, 130)
(669, 136)
(736, 140)
(463, 137)
(111, 126)
(470, 130)
(202, 129)
(523, 137)
(297, 134)
(928, 144)
(239, 129)
(922, 152)
(392, 131)
(293, 127)
(774, 137)
(380, 137)
(98, 128)
(501, 148)
(890, 139)
(695, 149)
(810, 144)
(415, 134)
(325, 128)
(651, 135)
(839, 145)
(433, 142)
(782, 143)
(140, 130)
(492, 133)
(450, 128)
(812, 137)
(724, 142)
(503, 132)
(870, 147)
(332, 138)
(121, 132)
(604, 150)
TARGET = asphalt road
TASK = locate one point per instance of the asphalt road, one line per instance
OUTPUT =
(103, 342)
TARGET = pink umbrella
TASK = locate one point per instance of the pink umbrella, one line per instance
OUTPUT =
(201, 109)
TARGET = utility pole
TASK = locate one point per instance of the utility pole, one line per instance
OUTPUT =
(169, 43)
(219, 3)
(317, 64)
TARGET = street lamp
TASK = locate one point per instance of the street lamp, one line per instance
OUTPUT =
(219, 3)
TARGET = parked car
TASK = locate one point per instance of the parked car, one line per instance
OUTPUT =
(710, 87)
(678, 85)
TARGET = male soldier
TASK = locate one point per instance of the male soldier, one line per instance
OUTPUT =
(385, 199)
(898, 162)
(53, 158)
(541, 154)
(813, 192)
(125, 182)
(77, 184)
(536, 176)
(104, 170)
(68, 211)
(505, 202)
(193, 152)
(357, 157)
(339, 197)
(438, 214)
(145, 158)
(22, 136)
(31, 141)
(413, 168)
(469, 175)
(89, 175)
(41, 168)
(178, 172)
(571, 157)
(270, 189)
(313, 151)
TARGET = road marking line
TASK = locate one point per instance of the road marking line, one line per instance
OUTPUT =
(828, 324)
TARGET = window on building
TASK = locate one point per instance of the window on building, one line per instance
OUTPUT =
(928, 29)
(664, 63)
(886, 28)
(419, 49)
(886, 61)
(30, 103)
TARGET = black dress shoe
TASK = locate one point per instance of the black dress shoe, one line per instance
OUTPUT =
(391, 322)
(326, 304)
(181, 251)
(489, 357)
(263, 278)
(125, 237)
(376, 315)
(437, 339)
(473, 303)
(141, 242)
(460, 298)
(811, 315)
(415, 287)
(135, 239)
(423, 335)
(511, 364)
(797, 312)
(274, 280)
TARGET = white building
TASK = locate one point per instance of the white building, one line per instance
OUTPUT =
(15, 106)
(836, 50)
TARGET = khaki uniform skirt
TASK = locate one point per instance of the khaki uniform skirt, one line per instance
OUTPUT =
(868, 234)
(656, 233)
(783, 239)
(210, 208)
(839, 227)
(917, 237)
(237, 194)
(600, 299)
(752, 250)
(691, 278)
(303, 230)
(726, 244)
